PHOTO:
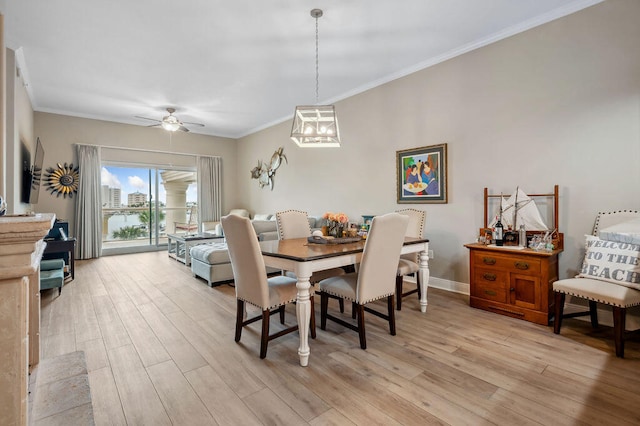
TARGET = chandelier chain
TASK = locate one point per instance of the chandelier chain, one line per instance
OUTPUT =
(317, 68)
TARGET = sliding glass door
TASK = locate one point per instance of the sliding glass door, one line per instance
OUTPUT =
(141, 205)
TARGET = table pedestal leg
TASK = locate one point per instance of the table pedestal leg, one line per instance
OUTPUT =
(424, 277)
(303, 315)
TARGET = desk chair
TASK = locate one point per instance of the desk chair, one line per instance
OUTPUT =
(374, 279)
(598, 291)
(409, 263)
(251, 282)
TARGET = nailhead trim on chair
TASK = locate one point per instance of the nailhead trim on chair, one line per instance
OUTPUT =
(361, 301)
(582, 296)
(597, 224)
(267, 307)
(288, 211)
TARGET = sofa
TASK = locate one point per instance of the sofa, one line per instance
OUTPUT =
(211, 261)
(265, 225)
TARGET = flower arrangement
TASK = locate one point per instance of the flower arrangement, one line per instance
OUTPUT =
(336, 222)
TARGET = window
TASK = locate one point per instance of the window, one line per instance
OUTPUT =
(140, 205)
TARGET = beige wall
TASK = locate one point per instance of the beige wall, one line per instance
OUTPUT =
(18, 133)
(59, 133)
(558, 104)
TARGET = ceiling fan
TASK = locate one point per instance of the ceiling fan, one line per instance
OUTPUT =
(170, 122)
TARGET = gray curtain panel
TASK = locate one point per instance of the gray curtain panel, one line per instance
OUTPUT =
(209, 188)
(88, 229)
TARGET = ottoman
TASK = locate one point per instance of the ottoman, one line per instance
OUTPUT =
(52, 274)
(211, 262)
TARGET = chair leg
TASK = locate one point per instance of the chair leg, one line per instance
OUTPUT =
(281, 311)
(619, 320)
(324, 304)
(341, 303)
(354, 310)
(392, 316)
(593, 313)
(399, 282)
(264, 338)
(312, 322)
(239, 318)
(557, 321)
(417, 274)
(361, 332)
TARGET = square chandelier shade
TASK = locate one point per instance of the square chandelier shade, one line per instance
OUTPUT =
(315, 126)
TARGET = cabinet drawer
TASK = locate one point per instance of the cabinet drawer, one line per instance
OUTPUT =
(490, 285)
(520, 264)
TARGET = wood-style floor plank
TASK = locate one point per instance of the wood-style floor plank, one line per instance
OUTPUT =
(223, 403)
(178, 397)
(105, 398)
(140, 401)
(160, 350)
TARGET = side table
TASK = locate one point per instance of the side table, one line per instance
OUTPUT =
(179, 245)
(64, 246)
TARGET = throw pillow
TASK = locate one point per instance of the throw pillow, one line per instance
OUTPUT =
(261, 216)
(611, 261)
(625, 232)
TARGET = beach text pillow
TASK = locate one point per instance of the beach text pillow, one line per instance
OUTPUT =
(612, 261)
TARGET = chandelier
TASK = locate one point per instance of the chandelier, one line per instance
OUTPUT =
(315, 125)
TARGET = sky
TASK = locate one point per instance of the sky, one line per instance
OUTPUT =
(130, 180)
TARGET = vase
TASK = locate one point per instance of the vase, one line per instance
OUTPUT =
(335, 230)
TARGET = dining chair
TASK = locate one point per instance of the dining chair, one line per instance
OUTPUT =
(409, 263)
(295, 224)
(252, 285)
(596, 288)
(374, 278)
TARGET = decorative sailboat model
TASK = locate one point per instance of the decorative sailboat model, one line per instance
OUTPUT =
(521, 209)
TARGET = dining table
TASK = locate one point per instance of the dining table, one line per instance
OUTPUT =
(304, 257)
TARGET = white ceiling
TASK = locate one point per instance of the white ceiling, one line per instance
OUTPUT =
(243, 65)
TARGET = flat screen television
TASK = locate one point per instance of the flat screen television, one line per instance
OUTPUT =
(32, 176)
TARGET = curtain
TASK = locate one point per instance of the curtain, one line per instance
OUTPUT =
(209, 189)
(88, 228)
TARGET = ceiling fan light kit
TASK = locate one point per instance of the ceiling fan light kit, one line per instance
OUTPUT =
(170, 122)
(315, 126)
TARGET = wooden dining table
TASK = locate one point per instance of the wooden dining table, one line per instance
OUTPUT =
(304, 258)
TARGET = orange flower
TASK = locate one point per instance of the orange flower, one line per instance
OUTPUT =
(336, 217)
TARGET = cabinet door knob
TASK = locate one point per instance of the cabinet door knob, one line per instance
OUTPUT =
(489, 277)
(489, 260)
(512, 289)
(522, 265)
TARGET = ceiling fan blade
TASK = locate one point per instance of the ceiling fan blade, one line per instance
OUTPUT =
(154, 125)
(193, 124)
(145, 118)
(183, 129)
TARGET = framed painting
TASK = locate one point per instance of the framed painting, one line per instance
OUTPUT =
(421, 174)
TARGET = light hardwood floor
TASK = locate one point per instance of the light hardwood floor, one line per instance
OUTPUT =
(159, 348)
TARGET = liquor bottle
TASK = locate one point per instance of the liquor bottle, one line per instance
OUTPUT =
(499, 231)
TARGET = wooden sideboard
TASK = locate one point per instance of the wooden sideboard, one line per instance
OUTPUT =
(21, 247)
(513, 282)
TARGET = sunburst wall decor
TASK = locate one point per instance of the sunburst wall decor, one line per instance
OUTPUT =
(62, 180)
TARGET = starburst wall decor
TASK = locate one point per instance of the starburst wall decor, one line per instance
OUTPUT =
(62, 180)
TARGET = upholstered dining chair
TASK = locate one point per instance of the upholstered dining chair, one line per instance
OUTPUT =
(596, 290)
(251, 282)
(295, 224)
(374, 278)
(409, 263)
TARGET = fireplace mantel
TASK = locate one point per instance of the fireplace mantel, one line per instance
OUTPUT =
(21, 246)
